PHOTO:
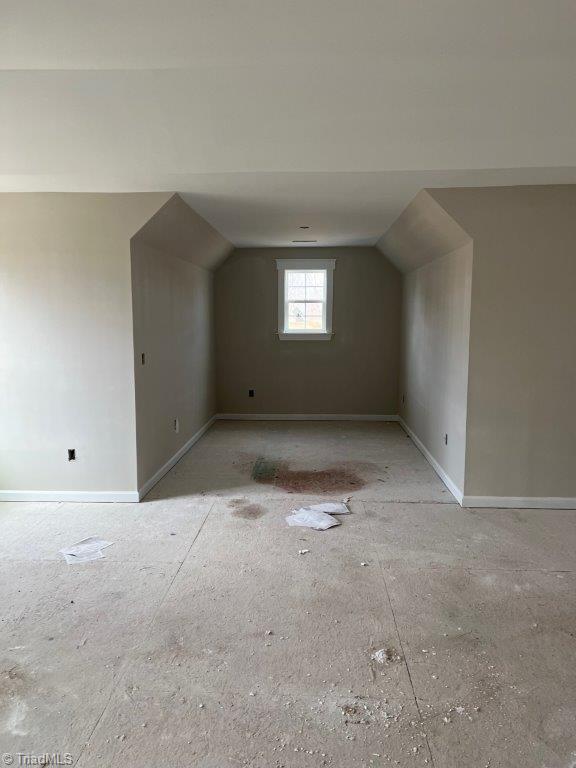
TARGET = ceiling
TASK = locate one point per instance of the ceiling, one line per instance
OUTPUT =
(268, 115)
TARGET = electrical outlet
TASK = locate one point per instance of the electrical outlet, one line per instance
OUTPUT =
(176, 425)
(71, 454)
(251, 392)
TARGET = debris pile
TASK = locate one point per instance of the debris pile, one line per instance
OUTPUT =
(386, 656)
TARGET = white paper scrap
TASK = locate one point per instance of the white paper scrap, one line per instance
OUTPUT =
(85, 558)
(330, 507)
(308, 518)
(86, 550)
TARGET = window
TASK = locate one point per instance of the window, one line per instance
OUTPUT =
(305, 298)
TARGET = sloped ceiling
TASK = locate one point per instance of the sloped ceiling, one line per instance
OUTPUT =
(424, 231)
(438, 221)
(269, 115)
(177, 229)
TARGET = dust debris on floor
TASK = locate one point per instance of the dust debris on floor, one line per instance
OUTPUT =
(238, 641)
(336, 479)
(386, 656)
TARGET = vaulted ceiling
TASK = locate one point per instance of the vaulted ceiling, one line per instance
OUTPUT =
(270, 115)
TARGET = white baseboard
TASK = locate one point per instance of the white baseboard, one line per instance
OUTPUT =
(157, 476)
(107, 496)
(79, 496)
(305, 417)
(495, 502)
(520, 502)
(440, 471)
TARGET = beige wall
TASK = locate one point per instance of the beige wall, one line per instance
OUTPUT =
(520, 446)
(355, 372)
(172, 296)
(173, 326)
(434, 370)
(66, 373)
(521, 439)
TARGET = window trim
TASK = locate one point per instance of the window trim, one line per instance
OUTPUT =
(282, 265)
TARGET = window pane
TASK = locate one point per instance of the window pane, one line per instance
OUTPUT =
(314, 294)
(296, 309)
(294, 278)
(315, 278)
(295, 293)
(314, 317)
(296, 316)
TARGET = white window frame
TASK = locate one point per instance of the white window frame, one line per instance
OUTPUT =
(314, 265)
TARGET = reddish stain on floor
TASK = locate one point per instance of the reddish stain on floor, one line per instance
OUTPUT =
(329, 480)
(245, 510)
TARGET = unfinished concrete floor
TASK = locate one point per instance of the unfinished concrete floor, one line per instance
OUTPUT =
(205, 639)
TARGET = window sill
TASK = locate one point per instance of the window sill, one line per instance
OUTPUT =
(304, 336)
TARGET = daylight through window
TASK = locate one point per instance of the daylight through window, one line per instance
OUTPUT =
(305, 292)
(305, 297)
